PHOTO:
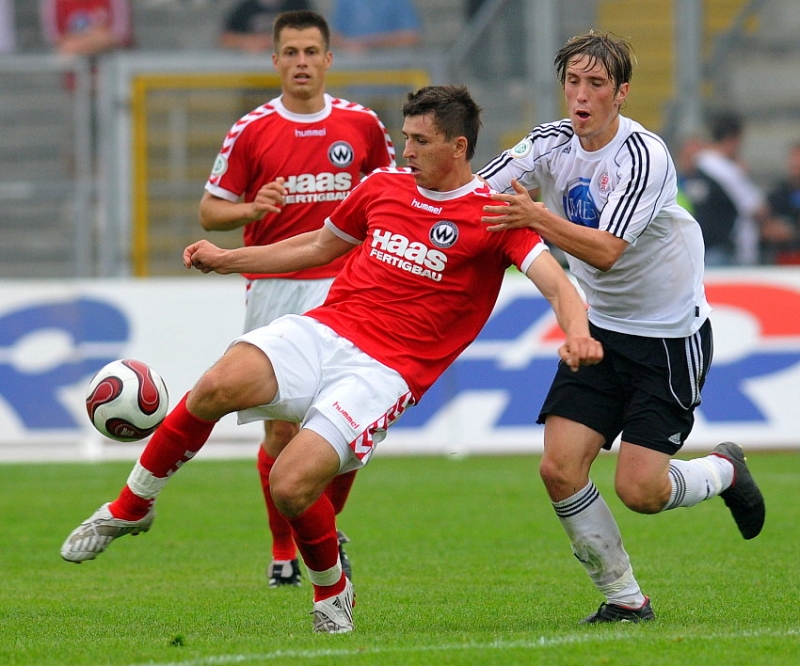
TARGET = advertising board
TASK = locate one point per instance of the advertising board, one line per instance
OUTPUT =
(55, 335)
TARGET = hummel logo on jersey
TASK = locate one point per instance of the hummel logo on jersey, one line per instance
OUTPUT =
(436, 210)
(309, 132)
(341, 154)
(417, 258)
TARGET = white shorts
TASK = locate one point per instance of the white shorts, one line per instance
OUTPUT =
(328, 385)
(270, 298)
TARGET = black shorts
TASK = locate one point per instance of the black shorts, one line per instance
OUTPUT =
(644, 388)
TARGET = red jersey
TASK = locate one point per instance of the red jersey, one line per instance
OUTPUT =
(322, 156)
(426, 276)
(63, 17)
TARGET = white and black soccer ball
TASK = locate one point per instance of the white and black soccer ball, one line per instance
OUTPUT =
(126, 400)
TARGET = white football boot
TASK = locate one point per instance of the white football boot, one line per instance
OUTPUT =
(334, 615)
(94, 534)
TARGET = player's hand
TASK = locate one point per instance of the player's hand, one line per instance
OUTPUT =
(205, 257)
(513, 210)
(580, 350)
(270, 198)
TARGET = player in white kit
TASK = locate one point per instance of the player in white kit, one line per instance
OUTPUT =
(416, 290)
(609, 192)
(319, 146)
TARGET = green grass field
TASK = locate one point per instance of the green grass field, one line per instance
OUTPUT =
(456, 561)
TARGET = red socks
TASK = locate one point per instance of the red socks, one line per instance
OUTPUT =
(315, 535)
(129, 506)
(339, 489)
(283, 547)
(176, 441)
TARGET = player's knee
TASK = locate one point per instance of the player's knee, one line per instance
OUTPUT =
(288, 495)
(277, 435)
(556, 478)
(641, 499)
(213, 396)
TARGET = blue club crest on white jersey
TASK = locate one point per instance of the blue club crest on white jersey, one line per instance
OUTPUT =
(579, 205)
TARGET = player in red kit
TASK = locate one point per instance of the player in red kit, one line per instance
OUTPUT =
(86, 27)
(419, 284)
(319, 147)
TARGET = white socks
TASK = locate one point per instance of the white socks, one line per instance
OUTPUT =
(696, 480)
(594, 535)
(325, 578)
(597, 544)
(143, 483)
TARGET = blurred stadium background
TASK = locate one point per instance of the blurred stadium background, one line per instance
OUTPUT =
(107, 184)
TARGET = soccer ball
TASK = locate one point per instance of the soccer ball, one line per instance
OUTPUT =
(126, 400)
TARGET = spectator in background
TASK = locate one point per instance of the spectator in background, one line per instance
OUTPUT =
(473, 7)
(731, 209)
(8, 32)
(86, 27)
(686, 166)
(248, 25)
(784, 200)
(361, 25)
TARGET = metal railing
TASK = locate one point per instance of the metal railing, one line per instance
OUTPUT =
(47, 188)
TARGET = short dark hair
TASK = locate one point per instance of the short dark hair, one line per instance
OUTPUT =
(454, 111)
(724, 125)
(614, 53)
(300, 20)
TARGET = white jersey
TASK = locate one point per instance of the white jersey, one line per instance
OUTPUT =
(629, 189)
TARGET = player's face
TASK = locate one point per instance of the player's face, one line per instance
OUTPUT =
(302, 61)
(429, 155)
(593, 102)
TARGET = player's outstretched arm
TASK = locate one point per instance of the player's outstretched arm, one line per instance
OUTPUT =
(580, 348)
(313, 248)
(217, 214)
(596, 247)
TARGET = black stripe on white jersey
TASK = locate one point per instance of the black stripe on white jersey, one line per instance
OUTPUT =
(559, 129)
(640, 173)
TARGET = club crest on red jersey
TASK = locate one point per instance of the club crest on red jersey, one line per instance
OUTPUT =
(341, 154)
(443, 234)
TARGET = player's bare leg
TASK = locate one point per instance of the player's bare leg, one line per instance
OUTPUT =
(242, 378)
